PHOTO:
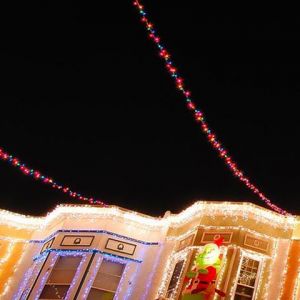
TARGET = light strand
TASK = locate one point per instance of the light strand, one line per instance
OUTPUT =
(37, 175)
(198, 114)
(92, 250)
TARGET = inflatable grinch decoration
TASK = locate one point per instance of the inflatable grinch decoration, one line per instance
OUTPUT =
(200, 281)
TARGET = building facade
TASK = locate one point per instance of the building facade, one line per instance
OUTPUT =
(88, 252)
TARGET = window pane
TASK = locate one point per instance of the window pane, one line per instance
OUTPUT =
(54, 292)
(61, 277)
(64, 269)
(112, 268)
(247, 279)
(175, 277)
(244, 291)
(107, 282)
(100, 295)
(67, 262)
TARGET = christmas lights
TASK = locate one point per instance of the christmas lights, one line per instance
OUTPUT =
(78, 251)
(219, 228)
(122, 283)
(252, 255)
(282, 283)
(77, 274)
(37, 175)
(46, 275)
(95, 269)
(8, 283)
(8, 253)
(222, 270)
(199, 209)
(29, 278)
(260, 275)
(134, 270)
(198, 114)
(152, 273)
(271, 262)
(173, 259)
(22, 288)
(296, 291)
(92, 276)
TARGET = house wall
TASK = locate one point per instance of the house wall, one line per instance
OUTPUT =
(150, 248)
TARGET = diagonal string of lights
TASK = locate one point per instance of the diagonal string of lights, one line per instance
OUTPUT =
(37, 175)
(198, 114)
(199, 118)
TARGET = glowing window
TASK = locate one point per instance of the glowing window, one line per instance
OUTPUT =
(247, 279)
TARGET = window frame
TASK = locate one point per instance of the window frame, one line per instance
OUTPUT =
(73, 281)
(184, 255)
(103, 258)
(171, 291)
(258, 274)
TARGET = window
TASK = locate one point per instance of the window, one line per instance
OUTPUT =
(106, 281)
(247, 279)
(175, 277)
(61, 277)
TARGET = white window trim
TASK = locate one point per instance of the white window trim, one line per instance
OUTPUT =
(71, 284)
(186, 256)
(254, 257)
(102, 258)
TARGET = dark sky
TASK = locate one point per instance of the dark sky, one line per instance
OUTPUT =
(86, 100)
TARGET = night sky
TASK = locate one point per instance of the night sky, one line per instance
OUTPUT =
(86, 100)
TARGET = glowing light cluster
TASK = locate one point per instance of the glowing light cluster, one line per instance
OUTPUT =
(173, 259)
(230, 210)
(16, 267)
(152, 273)
(134, 270)
(185, 254)
(37, 175)
(88, 250)
(46, 275)
(94, 270)
(8, 253)
(222, 270)
(285, 270)
(296, 291)
(29, 278)
(272, 262)
(78, 273)
(92, 276)
(198, 114)
(260, 279)
(252, 255)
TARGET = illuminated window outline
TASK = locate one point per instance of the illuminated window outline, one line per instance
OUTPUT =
(104, 259)
(258, 274)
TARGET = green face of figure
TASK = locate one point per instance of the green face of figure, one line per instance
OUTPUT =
(209, 256)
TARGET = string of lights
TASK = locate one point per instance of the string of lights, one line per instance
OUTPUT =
(37, 175)
(198, 114)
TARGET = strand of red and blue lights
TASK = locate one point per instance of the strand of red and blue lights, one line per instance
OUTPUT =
(15, 162)
(198, 114)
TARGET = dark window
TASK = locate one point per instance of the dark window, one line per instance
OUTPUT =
(175, 277)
